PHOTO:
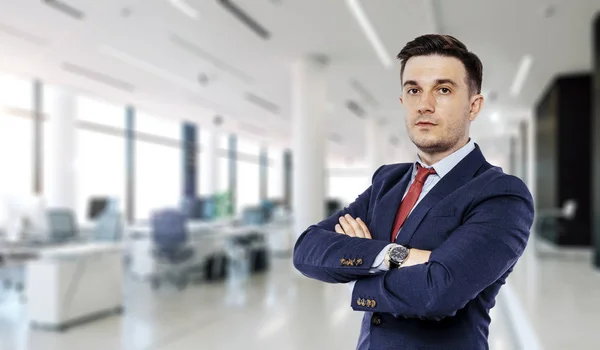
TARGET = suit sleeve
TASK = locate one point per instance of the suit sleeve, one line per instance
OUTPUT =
(479, 252)
(323, 254)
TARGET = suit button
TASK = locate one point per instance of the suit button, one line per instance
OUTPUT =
(376, 320)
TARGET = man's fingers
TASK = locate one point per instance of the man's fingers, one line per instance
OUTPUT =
(347, 227)
(338, 229)
(364, 227)
(358, 231)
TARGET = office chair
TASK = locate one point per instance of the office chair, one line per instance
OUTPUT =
(170, 238)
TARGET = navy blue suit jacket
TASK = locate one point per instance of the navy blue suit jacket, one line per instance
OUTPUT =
(476, 222)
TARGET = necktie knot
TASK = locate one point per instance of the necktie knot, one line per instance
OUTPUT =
(423, 173)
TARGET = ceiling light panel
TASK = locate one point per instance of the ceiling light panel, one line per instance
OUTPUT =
(369, 30)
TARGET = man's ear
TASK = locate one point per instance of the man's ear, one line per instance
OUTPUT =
(476, 106)
(401, 101)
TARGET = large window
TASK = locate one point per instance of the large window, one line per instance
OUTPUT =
(275, 174)
(158, 165)
(16, 135)
(204, 167)
(16, 154)
(99, 112)
(100, 168)
(248, 174)
(346, 187)
(16, 92)
(223, 160)
(100, 159)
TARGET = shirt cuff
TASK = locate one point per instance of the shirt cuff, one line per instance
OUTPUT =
(378, 264)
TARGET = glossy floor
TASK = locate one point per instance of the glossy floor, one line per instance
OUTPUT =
(560, 292)
(277, 310)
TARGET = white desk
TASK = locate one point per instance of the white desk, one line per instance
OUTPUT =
(74, 283)
(140, 244)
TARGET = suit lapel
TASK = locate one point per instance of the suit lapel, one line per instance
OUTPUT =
(390, 202)
(457, 177)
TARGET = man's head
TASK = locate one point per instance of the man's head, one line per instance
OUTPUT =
(441, 85)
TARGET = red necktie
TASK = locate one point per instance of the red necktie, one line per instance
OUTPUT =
(411, 198)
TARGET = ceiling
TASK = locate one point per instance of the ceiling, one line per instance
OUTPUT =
(149, 53)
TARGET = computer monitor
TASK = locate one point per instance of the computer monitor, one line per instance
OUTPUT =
(62, 225)
(96, 206)
(198, 208)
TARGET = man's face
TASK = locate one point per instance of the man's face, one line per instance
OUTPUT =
(438, 104)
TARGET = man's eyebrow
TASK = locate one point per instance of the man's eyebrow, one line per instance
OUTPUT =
(410, 82)
(437, 82)
(446, 81)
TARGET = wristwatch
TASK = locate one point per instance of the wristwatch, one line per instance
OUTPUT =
(396, 255)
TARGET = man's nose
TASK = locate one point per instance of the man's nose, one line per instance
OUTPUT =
(426, 104)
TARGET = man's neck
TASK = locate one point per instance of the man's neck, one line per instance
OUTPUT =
(431, 158)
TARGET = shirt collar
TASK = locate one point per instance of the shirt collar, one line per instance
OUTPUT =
(445, 165)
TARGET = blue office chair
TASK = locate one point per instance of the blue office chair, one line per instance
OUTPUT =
(170, 238)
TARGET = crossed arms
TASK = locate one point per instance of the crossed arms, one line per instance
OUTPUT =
(490, 241)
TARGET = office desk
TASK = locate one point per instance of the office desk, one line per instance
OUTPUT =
(206, 238)
(140, 245)
(74, 283)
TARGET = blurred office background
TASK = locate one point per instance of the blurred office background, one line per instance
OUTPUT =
(160, 157)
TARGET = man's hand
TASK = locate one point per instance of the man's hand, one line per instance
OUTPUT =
(353, 228)
(416, 257)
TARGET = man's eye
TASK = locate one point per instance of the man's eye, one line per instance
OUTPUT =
(413, 91)
(445, 90)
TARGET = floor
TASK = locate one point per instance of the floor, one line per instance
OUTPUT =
(560, 292)
(276, 310)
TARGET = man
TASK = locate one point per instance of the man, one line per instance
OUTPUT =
(428, 245)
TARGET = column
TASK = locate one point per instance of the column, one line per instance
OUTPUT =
(595, 140)
(61, 152)
(130, 164)
(376, 142)
(524, 140)
(38, 137)
(190, 167)
(287, 178)
(308, 144)
(232, 174)
(264, 173)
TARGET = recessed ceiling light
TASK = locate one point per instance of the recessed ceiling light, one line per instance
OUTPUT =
(371, 34)
(521, 76)
(185, 8)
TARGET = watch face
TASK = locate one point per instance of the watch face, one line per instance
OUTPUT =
(398, 254)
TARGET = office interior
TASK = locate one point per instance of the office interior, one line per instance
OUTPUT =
(160, 158)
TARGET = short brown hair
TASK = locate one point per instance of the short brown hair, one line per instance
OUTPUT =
(445, 45)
